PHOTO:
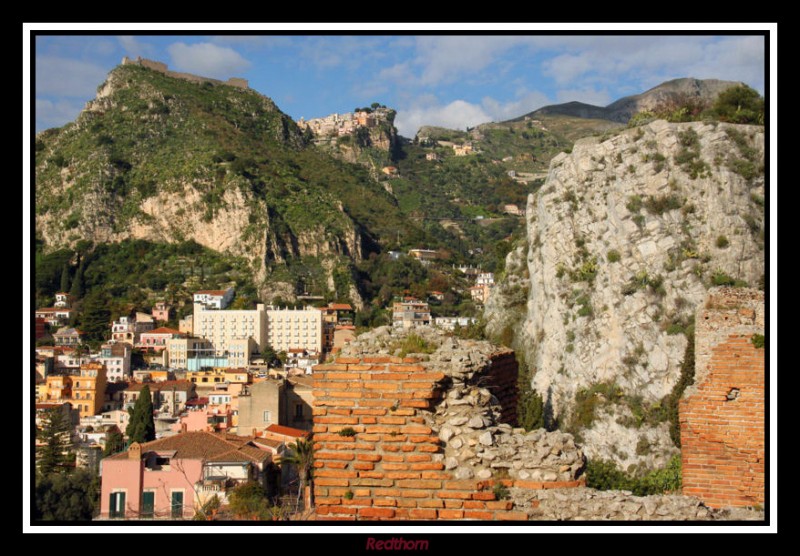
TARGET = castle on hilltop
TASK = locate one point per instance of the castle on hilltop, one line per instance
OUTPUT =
(162, 68)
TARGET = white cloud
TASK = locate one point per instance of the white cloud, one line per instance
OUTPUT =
(459, 114)
(650, 60)
(456, 115)
(206, 59)
(55, 114)
(527, 102)
(67, 77)
(134, 47)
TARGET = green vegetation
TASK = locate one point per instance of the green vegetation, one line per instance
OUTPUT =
(589, 400)
(72, 496)
(642, 280)
(412, 343)
(688, 158)
(501, 491)
(722, 242)
(249, 501)
(739, 105)
(686, 379)
(663, 203)
(347, 431)
(141, 426)
(604, 475)
(54, 452)
(758, 340)
(613, 256)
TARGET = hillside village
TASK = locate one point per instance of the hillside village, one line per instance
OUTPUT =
(362, 377)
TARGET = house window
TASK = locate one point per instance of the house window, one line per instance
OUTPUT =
(266, 417)
(116, 507)
(148, 503)
(298, 411)
(177, 504)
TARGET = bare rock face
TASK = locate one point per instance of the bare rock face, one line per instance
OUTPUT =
(623, 240)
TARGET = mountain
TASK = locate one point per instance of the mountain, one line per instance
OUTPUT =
(623, 109)
(169, 158)
(622, 241)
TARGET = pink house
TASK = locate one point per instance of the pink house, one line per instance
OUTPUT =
(217, 419)
(161, 311)
(157, 339)
(172, 477)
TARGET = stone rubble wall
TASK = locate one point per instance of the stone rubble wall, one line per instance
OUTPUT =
(425, 437)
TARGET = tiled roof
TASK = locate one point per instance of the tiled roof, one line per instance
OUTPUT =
(197, 401)
(208, 446)
(163, 330)
(211, 292)
(287, 431)
(340, 307)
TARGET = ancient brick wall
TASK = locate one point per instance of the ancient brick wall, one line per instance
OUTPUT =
(377, 457)
(722, 417)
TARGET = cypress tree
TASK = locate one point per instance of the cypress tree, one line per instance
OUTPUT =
(77, 291)
(141, 427)
(65, 285)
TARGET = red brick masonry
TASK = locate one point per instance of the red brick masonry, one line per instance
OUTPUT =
(386, 470)
(723, 417)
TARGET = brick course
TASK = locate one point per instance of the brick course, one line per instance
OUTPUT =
(722, 417)
(396, 478)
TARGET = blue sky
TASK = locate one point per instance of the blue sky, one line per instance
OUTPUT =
(452, 81)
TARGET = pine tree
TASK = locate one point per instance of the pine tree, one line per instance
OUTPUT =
(55, 444)
(65, 284)
(141, 427)
(114, 444)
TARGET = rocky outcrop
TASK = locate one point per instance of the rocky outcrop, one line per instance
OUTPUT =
(623, 240)
(169, 160)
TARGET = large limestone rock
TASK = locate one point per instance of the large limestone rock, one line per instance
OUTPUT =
(623, 240)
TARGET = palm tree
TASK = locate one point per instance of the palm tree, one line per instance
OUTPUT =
(301, 454)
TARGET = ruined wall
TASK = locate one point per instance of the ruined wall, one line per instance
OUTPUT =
(379, 455)
(161, 67)
(722, 416)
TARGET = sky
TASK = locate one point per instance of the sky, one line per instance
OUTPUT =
(445, 80)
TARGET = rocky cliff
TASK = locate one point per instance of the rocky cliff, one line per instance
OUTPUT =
(168, 160)
(623, 240)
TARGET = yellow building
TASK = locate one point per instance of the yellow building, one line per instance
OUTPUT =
(56, 389)
(89, 389)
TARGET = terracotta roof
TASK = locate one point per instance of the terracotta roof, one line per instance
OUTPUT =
(301, 380)
(208, 446)
(211, 292)
(48, 405)
(269, 442)
(197, 401)
(69, 331)
(287, 431)
(47, 310)
(163, 330)
(340, 306)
